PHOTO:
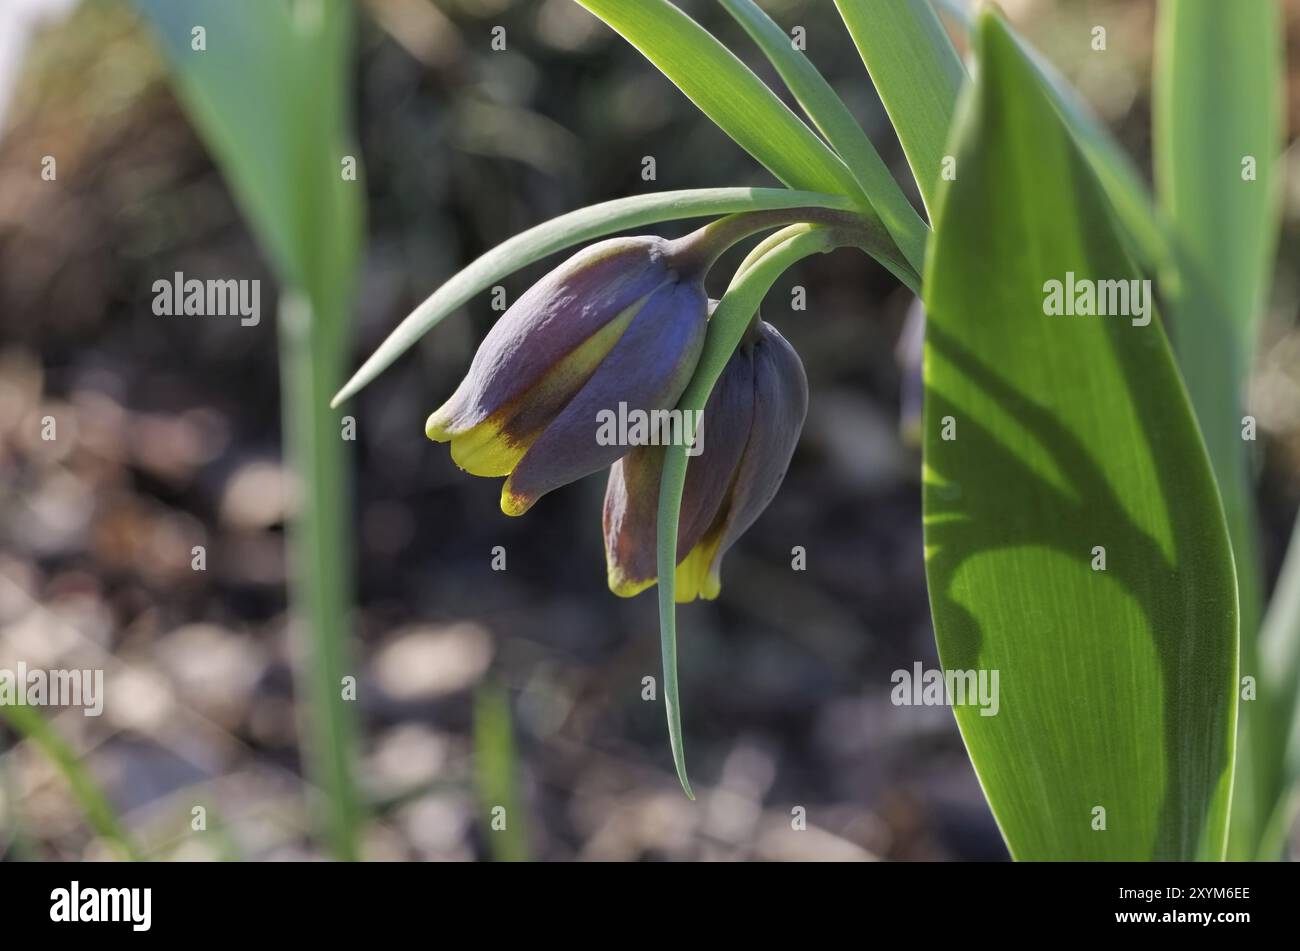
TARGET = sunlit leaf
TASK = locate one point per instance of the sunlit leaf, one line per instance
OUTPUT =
(727, 92)
(917, 74)
(836, 123)
(1075, 541)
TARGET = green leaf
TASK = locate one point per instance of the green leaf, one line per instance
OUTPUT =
(29, 722)
(833, 119)
(1129, 196)
(566, 231)
(1279, 685)
(727, 92)
(917, 74)
(252, 94)
(1049, 439)
(1217, 110)
(1218, 119)
(268, 93)
(495, 775)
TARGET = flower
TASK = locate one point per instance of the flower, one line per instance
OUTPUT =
(621, 321)
(752, 418)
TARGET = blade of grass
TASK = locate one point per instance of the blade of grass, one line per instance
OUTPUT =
(585, 224)
(320, 579)
(727, 92)
(496, 777)
(29, 723)
(833, 119)
(917, 74)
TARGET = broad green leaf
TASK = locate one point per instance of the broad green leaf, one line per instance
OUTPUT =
(833, 119)
(1129, 196)
(1051, 443)
(1217, 110)
(727, 92)
(917, 73)
(585, 224)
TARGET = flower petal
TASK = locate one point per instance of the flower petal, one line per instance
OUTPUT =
(780, 406)
(548, 323)
(632, 495)
(647, 369)
(631, 507)
(494, 446)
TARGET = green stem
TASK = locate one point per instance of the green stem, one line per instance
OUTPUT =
(700, 250)
(726, 328)
(311, 359)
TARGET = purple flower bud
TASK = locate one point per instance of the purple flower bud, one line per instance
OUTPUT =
(619, 322)
(751, 423)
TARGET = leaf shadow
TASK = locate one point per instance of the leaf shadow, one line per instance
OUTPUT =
(972, 521)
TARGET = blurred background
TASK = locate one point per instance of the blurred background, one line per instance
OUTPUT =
(474, 686)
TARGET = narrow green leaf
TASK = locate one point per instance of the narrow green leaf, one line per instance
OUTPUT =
(917, 74)
(833, 119)
(495, 776)
(753, 279)
(1075, 543)
(29, 722)
(248, 92)
(1218, 121)
(1218, 134)
(267, 86)
(1279, 685)
(566, 231)
(727, 92)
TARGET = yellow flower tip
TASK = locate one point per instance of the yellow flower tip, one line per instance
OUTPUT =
(512, 503)
(627, 587)
(438, 426)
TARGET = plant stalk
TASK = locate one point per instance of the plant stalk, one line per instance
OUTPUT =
(320, 587)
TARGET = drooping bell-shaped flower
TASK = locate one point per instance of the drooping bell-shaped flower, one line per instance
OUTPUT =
(751, 424)
(620, 322)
